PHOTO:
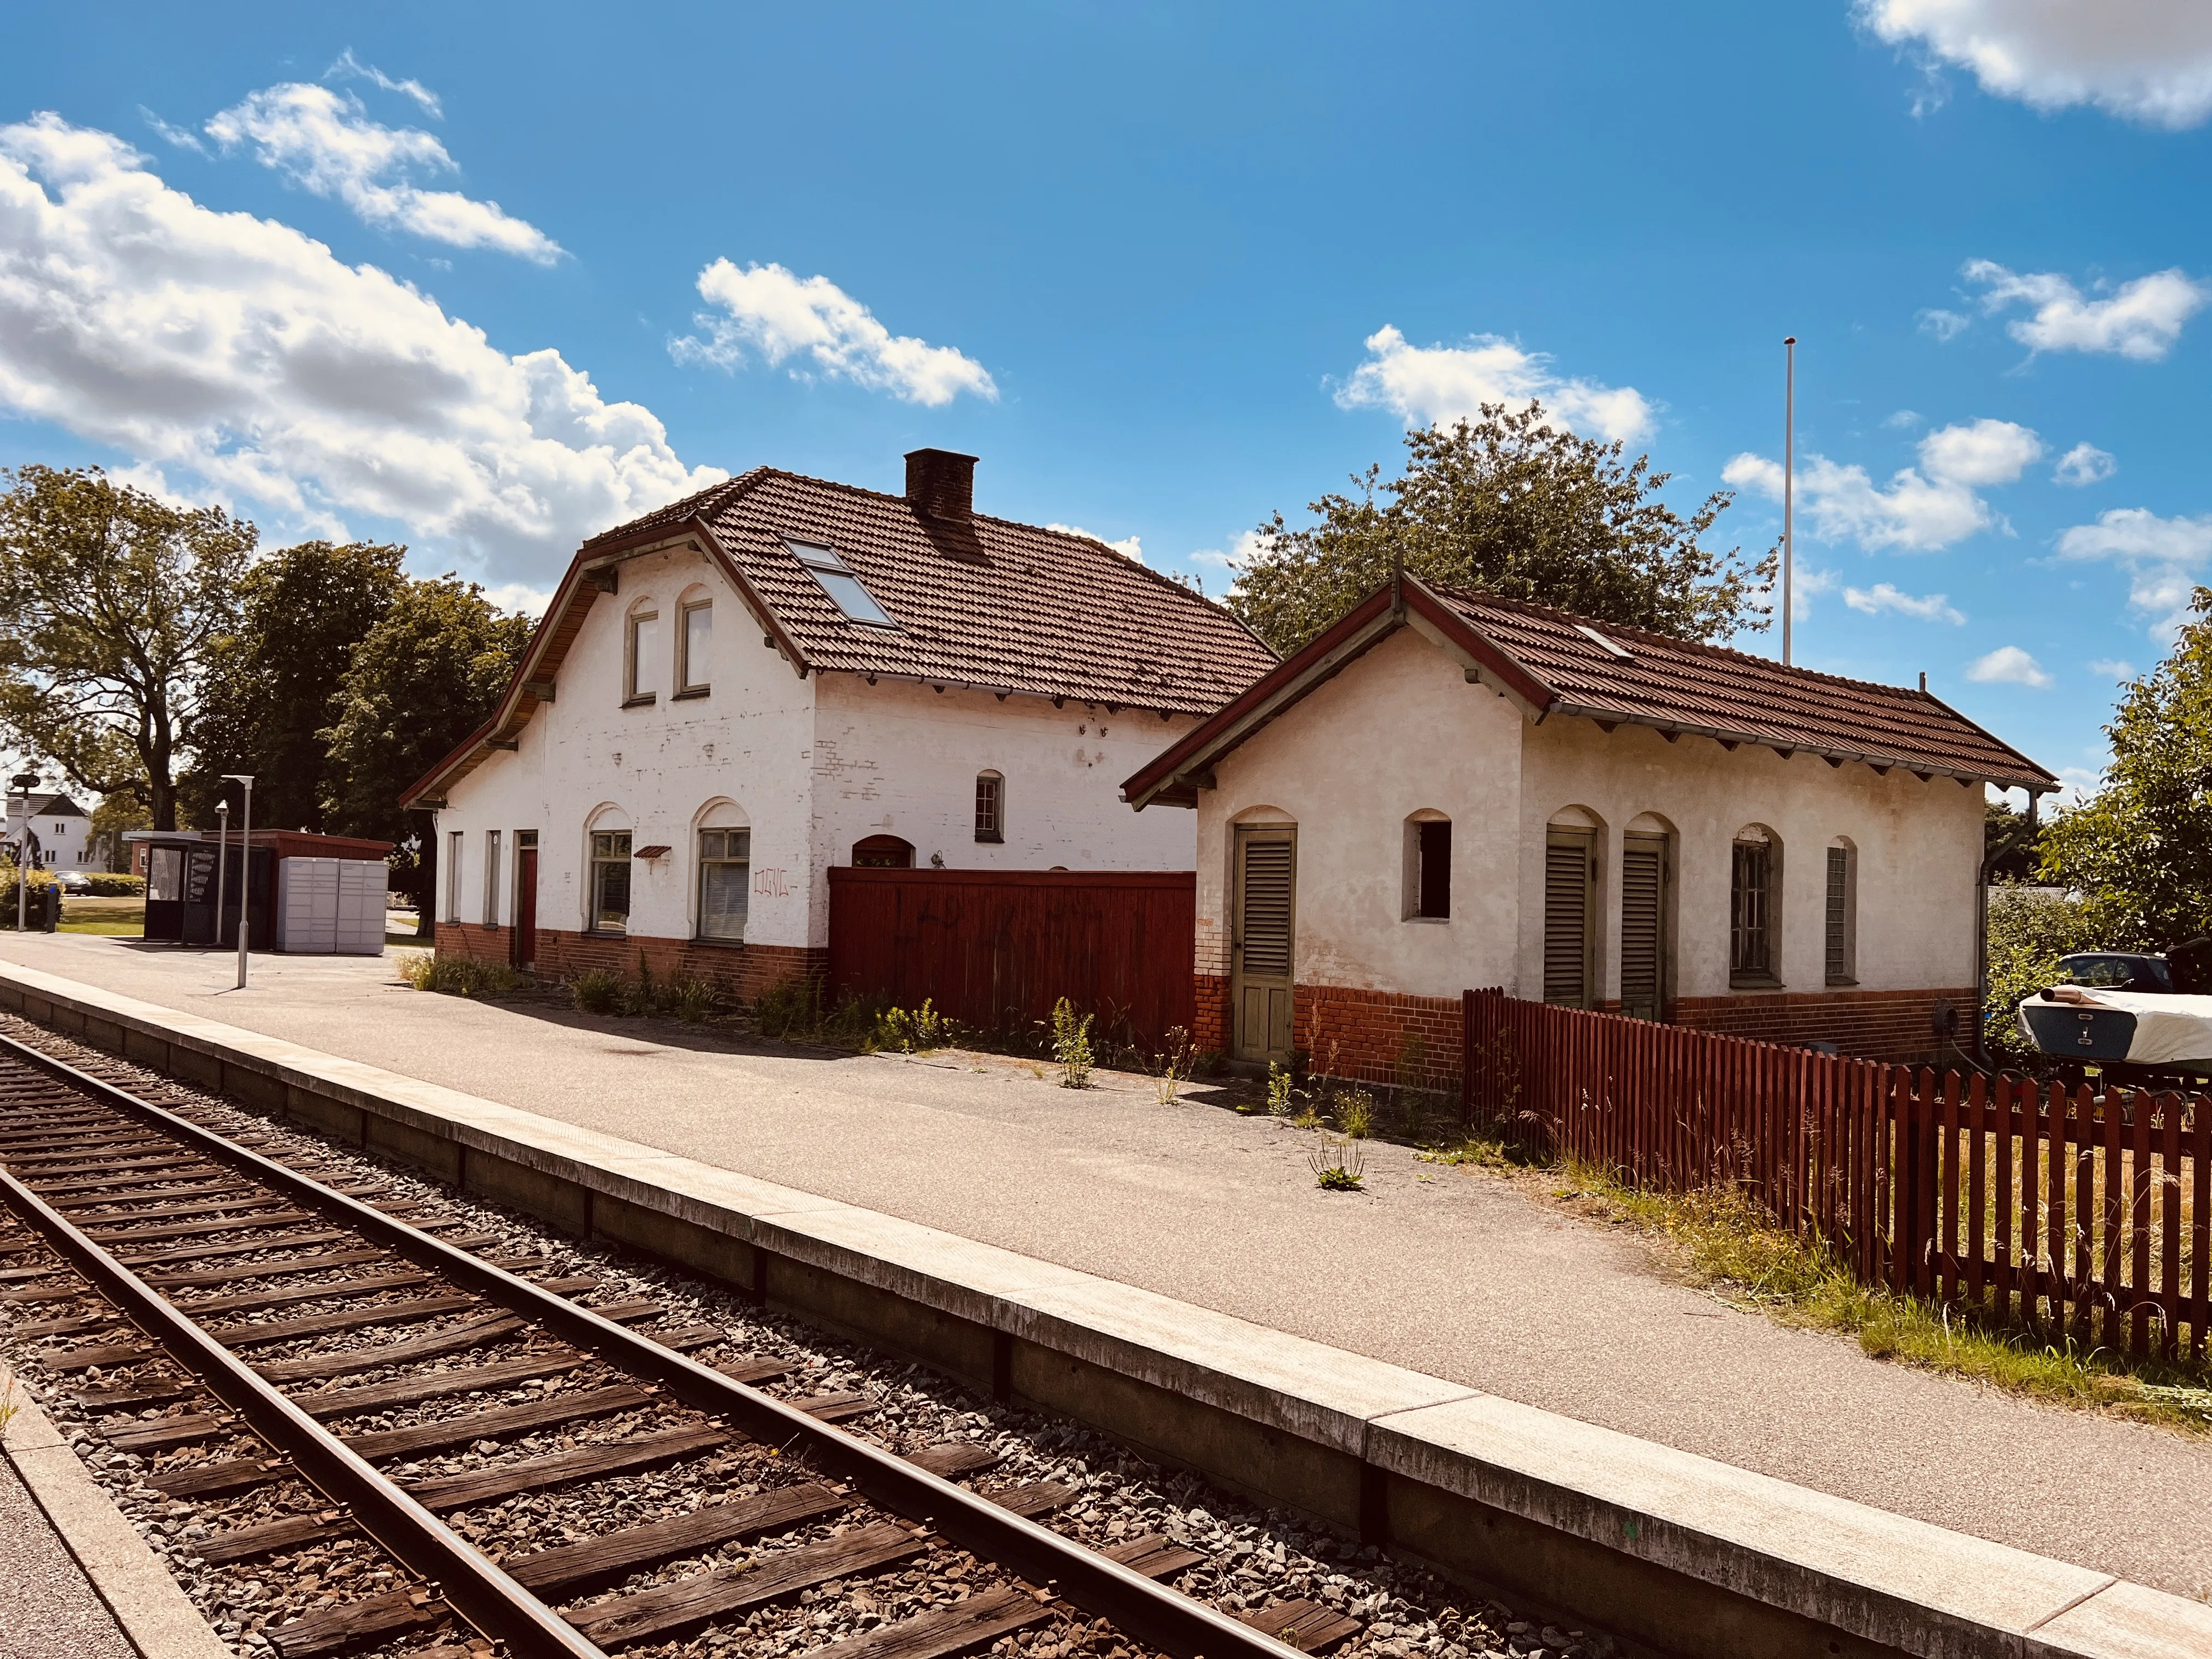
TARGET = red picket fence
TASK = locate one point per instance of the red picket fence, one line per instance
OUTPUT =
(997, 949)
(2069, 1211)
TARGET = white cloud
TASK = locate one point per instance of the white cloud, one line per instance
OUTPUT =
(1903, 419)
(1943, 325)
(2084, 463)
(1129, 547)
(2008, 665)
(351, 68)
(2140, 320)
(2148, 60)
(520, 596)
(1883, 598)
(1241, 551)
(769, 310)
(1804, 585)
(237, 350)
(1428, 385)
(2164, 558)
(182, 137)
(1921, 509)
(326, 142)
(2117, 668)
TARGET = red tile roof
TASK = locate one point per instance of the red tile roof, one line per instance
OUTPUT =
(987, 604)
(1558, 663)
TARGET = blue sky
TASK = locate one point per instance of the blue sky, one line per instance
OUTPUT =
(488, 280)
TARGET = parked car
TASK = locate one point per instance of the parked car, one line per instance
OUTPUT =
(2116, 970)
(75, 883)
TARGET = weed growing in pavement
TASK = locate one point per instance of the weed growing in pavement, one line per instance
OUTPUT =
(456, 976)
(9, 1407)
(1355, 1114)
(915, 1033)
(1489, 1152)
(796, 1008)
(1171, 1066)
(694, 999)
(1279, 1091)
(1338, 1167)
(1730, 1244)
(1071, 1045)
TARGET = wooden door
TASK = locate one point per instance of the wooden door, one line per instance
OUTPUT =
(1262, 943)
(525, 900)
(1644, 952)
(1570, 884)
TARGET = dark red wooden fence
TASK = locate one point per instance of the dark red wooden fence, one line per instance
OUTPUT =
(2072, 1213)
(997, 949)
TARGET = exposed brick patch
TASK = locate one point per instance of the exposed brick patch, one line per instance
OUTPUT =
(1209, 1023)
(744, 971)
(1891, 1025)
(1361, 1035)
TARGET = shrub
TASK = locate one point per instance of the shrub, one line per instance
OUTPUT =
(2028, 932)
(1071, 1045)
(596, 991)
(788, 1008)
(915, 1033)
(694, 997)
(107, 886)
(455, 976)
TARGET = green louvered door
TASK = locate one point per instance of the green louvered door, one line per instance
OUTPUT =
(1261, 941)
(1643, 927)
(1569, 883)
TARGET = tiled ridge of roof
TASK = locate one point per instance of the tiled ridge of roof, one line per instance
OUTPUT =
(1041, 611)
(1687, 683)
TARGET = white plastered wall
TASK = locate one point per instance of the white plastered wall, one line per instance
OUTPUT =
(1919, 846)
(652, 768)
(899, 759)
(1398, 732)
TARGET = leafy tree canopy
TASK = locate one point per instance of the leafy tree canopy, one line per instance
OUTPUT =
(2010, 844)
(2028, 932)
(2140, 849)
(272, 684)
(110, 604)
(1511, 505)
(423, 680)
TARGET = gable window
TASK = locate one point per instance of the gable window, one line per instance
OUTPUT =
(839, 582)
(641, 657)
(1754, 909)
(725, 881)
(1428, 868)
(1842, 930)
(990, 806)
(610, 881)
(695, 637)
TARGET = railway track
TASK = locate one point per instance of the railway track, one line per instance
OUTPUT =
(306, 1344)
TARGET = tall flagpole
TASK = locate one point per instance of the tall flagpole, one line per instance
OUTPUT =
(1789, 478)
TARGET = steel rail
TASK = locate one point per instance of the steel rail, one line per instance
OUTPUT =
(478, 1590)
(1169, 1620)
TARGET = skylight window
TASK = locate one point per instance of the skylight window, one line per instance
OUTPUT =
(838, 581)
(1612, 646)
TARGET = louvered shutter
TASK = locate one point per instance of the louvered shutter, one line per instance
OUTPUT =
(1266, 920)
(1567, 918)
(1839, 964)
(1643, 922)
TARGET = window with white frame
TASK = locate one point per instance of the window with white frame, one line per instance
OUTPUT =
(695, 644)
(990, 806)
(454, 876)
(491, 878)
(610, 881)
(642, 656)
(724, 882)
(1428, 866)
(844, 588)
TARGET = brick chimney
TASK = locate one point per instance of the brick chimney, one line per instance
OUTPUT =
(941, 485)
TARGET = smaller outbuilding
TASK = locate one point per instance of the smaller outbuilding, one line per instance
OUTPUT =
(306, 894)
(1448, 791)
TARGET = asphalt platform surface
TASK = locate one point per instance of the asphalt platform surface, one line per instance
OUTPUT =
(48, 1609)
(1449, 1271)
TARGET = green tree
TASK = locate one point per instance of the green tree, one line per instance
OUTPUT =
(427, 675)
(272, 684)
(115, 814)
(2010, 845)
(2028, 932)
(1510, 506)
(110, 602)
(2140, 849)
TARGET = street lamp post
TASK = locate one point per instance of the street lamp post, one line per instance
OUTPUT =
(222, 858)
(244, 782)
(25, 782)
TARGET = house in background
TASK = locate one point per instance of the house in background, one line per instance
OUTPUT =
(780, 674)
(1446, 791)
(61, 832)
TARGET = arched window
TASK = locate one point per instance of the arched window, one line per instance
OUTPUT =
(1841, 942)
(1428, 866)
(882, 852)
(607, 891)
(725, 852)
(1755, 908)
(641, 653)
(695, 640)
(990, 806)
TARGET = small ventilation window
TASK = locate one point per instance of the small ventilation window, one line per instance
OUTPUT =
(839, 582)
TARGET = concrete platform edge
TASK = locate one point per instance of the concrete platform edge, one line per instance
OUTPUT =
(157, 1618)
(1672, 1549)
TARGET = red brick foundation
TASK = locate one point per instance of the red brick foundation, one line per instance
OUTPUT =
(1211, 1026)
(744, 971)
(1891, 1025)
(1374, 1037)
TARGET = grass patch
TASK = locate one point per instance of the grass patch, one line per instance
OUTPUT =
(455, 976)
(1730, 1245)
